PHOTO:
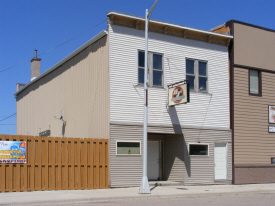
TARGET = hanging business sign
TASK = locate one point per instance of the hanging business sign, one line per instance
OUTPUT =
(271, 114)
(178, 94)
(12, 152)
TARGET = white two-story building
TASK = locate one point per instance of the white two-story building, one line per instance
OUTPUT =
(99, 89)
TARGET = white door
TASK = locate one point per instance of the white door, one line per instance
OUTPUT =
(153, 160)
(220, 153)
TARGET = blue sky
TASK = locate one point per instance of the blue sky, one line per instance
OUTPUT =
(27, 25)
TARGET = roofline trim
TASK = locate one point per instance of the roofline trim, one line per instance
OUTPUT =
(74, 53)
(251, 25)
(170, 24)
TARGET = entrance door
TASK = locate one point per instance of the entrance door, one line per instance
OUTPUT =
(220, 153)
(153, 160)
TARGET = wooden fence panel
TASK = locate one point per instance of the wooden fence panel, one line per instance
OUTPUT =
(31, 163)
(57, 164)
(83, 161)
(16, 172)
(77, 164)
(37, 163)
(45, 164)
(51, 164)
(90, 164)
(2, 172)
(24, 170)
(71, 163)
(96, 164)
(64, 162)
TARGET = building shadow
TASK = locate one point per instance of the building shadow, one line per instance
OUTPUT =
(180, 145)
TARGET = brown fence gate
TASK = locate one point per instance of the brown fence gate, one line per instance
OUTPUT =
(55, 163)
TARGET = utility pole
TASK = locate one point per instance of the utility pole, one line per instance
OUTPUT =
(144, 187)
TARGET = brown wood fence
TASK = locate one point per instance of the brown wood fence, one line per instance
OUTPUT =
(55, 163)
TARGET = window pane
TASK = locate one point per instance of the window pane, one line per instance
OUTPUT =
(141, 55)
(202, 68)
(254, 81)
(157, 78)
(128, 148)
(202, 84)
(191, 82)
(157, 61)
(140, 76)
(197, 149)
(189, 66)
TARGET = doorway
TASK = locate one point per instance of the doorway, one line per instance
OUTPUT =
(220, 159)
(153, 160)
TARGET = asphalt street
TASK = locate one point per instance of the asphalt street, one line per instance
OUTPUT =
(251, 199)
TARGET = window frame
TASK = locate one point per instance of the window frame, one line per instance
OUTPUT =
(195, 143)
(197, 76)
(259, 83)
(129, 141)
(150, 68)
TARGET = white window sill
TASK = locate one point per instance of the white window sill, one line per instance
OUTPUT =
(199, 92)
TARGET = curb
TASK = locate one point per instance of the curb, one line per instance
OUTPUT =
(141, 197)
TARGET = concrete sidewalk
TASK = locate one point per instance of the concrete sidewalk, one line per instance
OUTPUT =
(77, 196)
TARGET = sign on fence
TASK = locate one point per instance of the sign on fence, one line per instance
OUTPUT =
(12, 152)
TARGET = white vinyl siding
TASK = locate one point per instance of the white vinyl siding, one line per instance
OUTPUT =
(126, 96)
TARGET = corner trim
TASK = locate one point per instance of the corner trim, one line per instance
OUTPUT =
(168, 24)
(251, 25)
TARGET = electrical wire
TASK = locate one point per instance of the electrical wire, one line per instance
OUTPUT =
(163, 127)
(55, 46)
(8, 117)
(72, 38)
(198, 139)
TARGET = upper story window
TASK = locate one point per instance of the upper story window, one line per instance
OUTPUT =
(155, 68)
(196, 72)
(254, 82)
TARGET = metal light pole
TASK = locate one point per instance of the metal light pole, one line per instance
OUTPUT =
(144, 187)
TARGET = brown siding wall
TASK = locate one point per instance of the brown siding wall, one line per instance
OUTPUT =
(253, 143)
(79, 88)
(254, 47)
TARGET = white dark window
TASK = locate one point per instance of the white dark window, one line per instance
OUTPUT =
(254, 82)
(155, 68)
(128, 148)
(198, 149)
(196, 72)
